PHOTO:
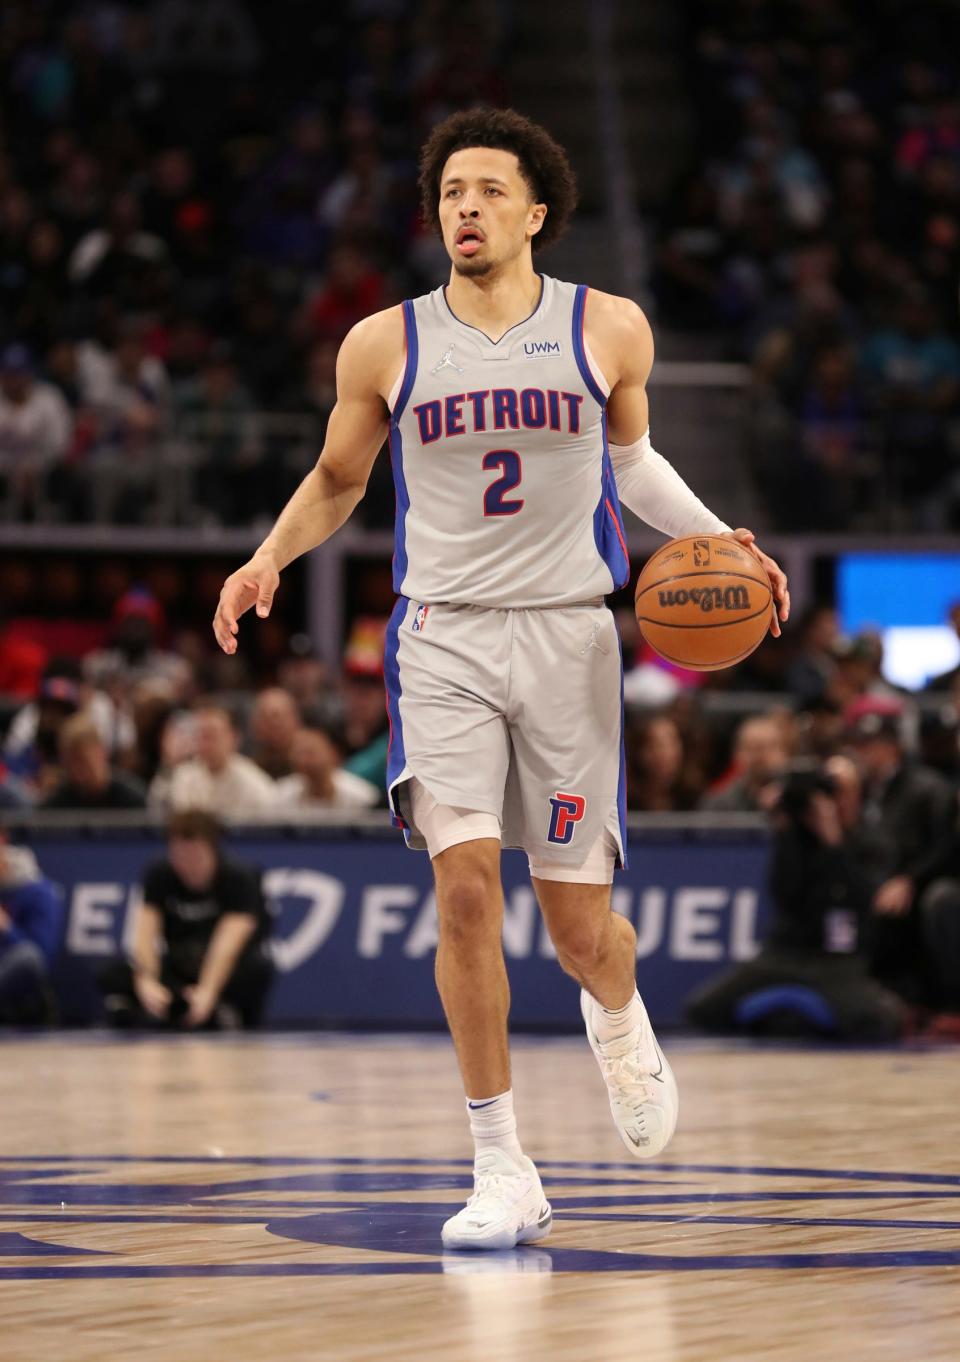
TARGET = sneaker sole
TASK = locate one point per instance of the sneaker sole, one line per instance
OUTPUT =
(528, 1234)
(671, 1081)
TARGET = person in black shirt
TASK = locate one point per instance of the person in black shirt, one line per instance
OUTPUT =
(200, 953)
(906, 830)
(819, 939)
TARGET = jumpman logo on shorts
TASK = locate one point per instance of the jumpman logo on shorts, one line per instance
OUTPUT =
(446, 362)
(594, 642)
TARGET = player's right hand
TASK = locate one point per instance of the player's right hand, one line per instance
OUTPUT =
(253, 584)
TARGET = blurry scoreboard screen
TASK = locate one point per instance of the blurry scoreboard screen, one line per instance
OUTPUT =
(906, 598)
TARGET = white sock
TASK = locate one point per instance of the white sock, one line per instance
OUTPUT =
(612, 1023)
(493, 1124)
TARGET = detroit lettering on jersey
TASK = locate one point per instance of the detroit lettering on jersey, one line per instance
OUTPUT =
(505, 492)
(499, 409)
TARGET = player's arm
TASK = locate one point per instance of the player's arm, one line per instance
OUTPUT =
(620, 338)
(366, 366)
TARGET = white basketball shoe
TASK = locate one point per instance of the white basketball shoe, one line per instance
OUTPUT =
(507, 1206)
(642, 1089)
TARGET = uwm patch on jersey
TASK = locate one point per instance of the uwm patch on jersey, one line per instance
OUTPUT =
(567, 811)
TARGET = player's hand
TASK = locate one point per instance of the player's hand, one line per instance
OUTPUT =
(778, 578)
(200, 1004)
(253, 584)
(154, 997)
(894, 896)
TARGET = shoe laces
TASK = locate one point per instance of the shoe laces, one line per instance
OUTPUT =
(490, 1180)
(621, 1064)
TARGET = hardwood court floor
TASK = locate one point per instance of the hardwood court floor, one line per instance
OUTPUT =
(221, 1200)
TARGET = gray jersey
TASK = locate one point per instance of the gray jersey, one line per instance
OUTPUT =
(505, 491)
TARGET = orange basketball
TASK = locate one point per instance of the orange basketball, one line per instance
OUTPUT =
(703, 603)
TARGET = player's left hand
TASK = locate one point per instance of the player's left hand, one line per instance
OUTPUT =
(201, 1002)
(778, 578)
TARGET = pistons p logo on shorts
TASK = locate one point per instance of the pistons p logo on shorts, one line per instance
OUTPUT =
(567, 811)
(420, 619)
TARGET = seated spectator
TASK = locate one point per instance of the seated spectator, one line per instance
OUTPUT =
(35, 432)
(658, 776)
(134, 655)
(353, 289)
(31, 920)
(320, 782)
(816, 945)
(218, 779)
(909, 814)
(31, 746)
(216, 414)
(274, 722)
(365, 723)
(914, 367)
(87, 781)
(119, 259)
(760, 757)
(813, 665)
(200, 954)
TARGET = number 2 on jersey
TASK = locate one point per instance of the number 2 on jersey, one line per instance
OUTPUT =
(494, 502)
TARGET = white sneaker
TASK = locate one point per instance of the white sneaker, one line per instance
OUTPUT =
(643, 1091)
(507, 1206)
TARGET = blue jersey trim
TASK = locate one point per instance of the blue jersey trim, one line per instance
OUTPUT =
(579, 350)
(608, 532)
(413, 355)
(622, 779)
(396, 753)
(396, 448)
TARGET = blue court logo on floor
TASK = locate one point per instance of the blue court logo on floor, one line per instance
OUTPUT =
(355, 1216)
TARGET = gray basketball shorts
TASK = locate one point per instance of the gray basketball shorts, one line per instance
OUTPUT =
(516, 713)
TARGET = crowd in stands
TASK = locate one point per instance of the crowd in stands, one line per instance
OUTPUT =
(131, 726)
(134, 723)
(196, 203)
(818, 239)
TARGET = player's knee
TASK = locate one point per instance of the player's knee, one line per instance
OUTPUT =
(469, 906)
(580, 947)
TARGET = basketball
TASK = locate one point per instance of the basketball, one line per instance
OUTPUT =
(703, 603)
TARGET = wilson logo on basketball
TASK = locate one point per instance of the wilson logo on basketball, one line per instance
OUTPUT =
(708, 598)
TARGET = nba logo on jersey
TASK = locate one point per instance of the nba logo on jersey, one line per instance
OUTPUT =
(420, 619)
(567, 812)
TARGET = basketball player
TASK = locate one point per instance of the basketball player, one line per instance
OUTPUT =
(517, 417)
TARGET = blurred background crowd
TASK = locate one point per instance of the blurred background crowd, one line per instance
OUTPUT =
(818, 240)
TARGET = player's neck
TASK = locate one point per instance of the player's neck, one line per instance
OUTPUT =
(497, 301)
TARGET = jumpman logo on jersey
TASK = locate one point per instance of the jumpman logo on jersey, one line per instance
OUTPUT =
(594, 642)
(446, 362)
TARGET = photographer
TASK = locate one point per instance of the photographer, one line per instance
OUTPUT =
(199, 955)
(816, 945)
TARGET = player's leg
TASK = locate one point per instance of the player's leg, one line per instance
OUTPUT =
(567, 734)
(597, 947)
(507, 1206)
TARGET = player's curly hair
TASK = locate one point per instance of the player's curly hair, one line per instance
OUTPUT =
(543, 163)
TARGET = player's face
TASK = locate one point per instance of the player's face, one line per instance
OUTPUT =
(487, 212)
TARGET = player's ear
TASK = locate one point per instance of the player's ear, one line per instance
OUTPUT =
(538, 211)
